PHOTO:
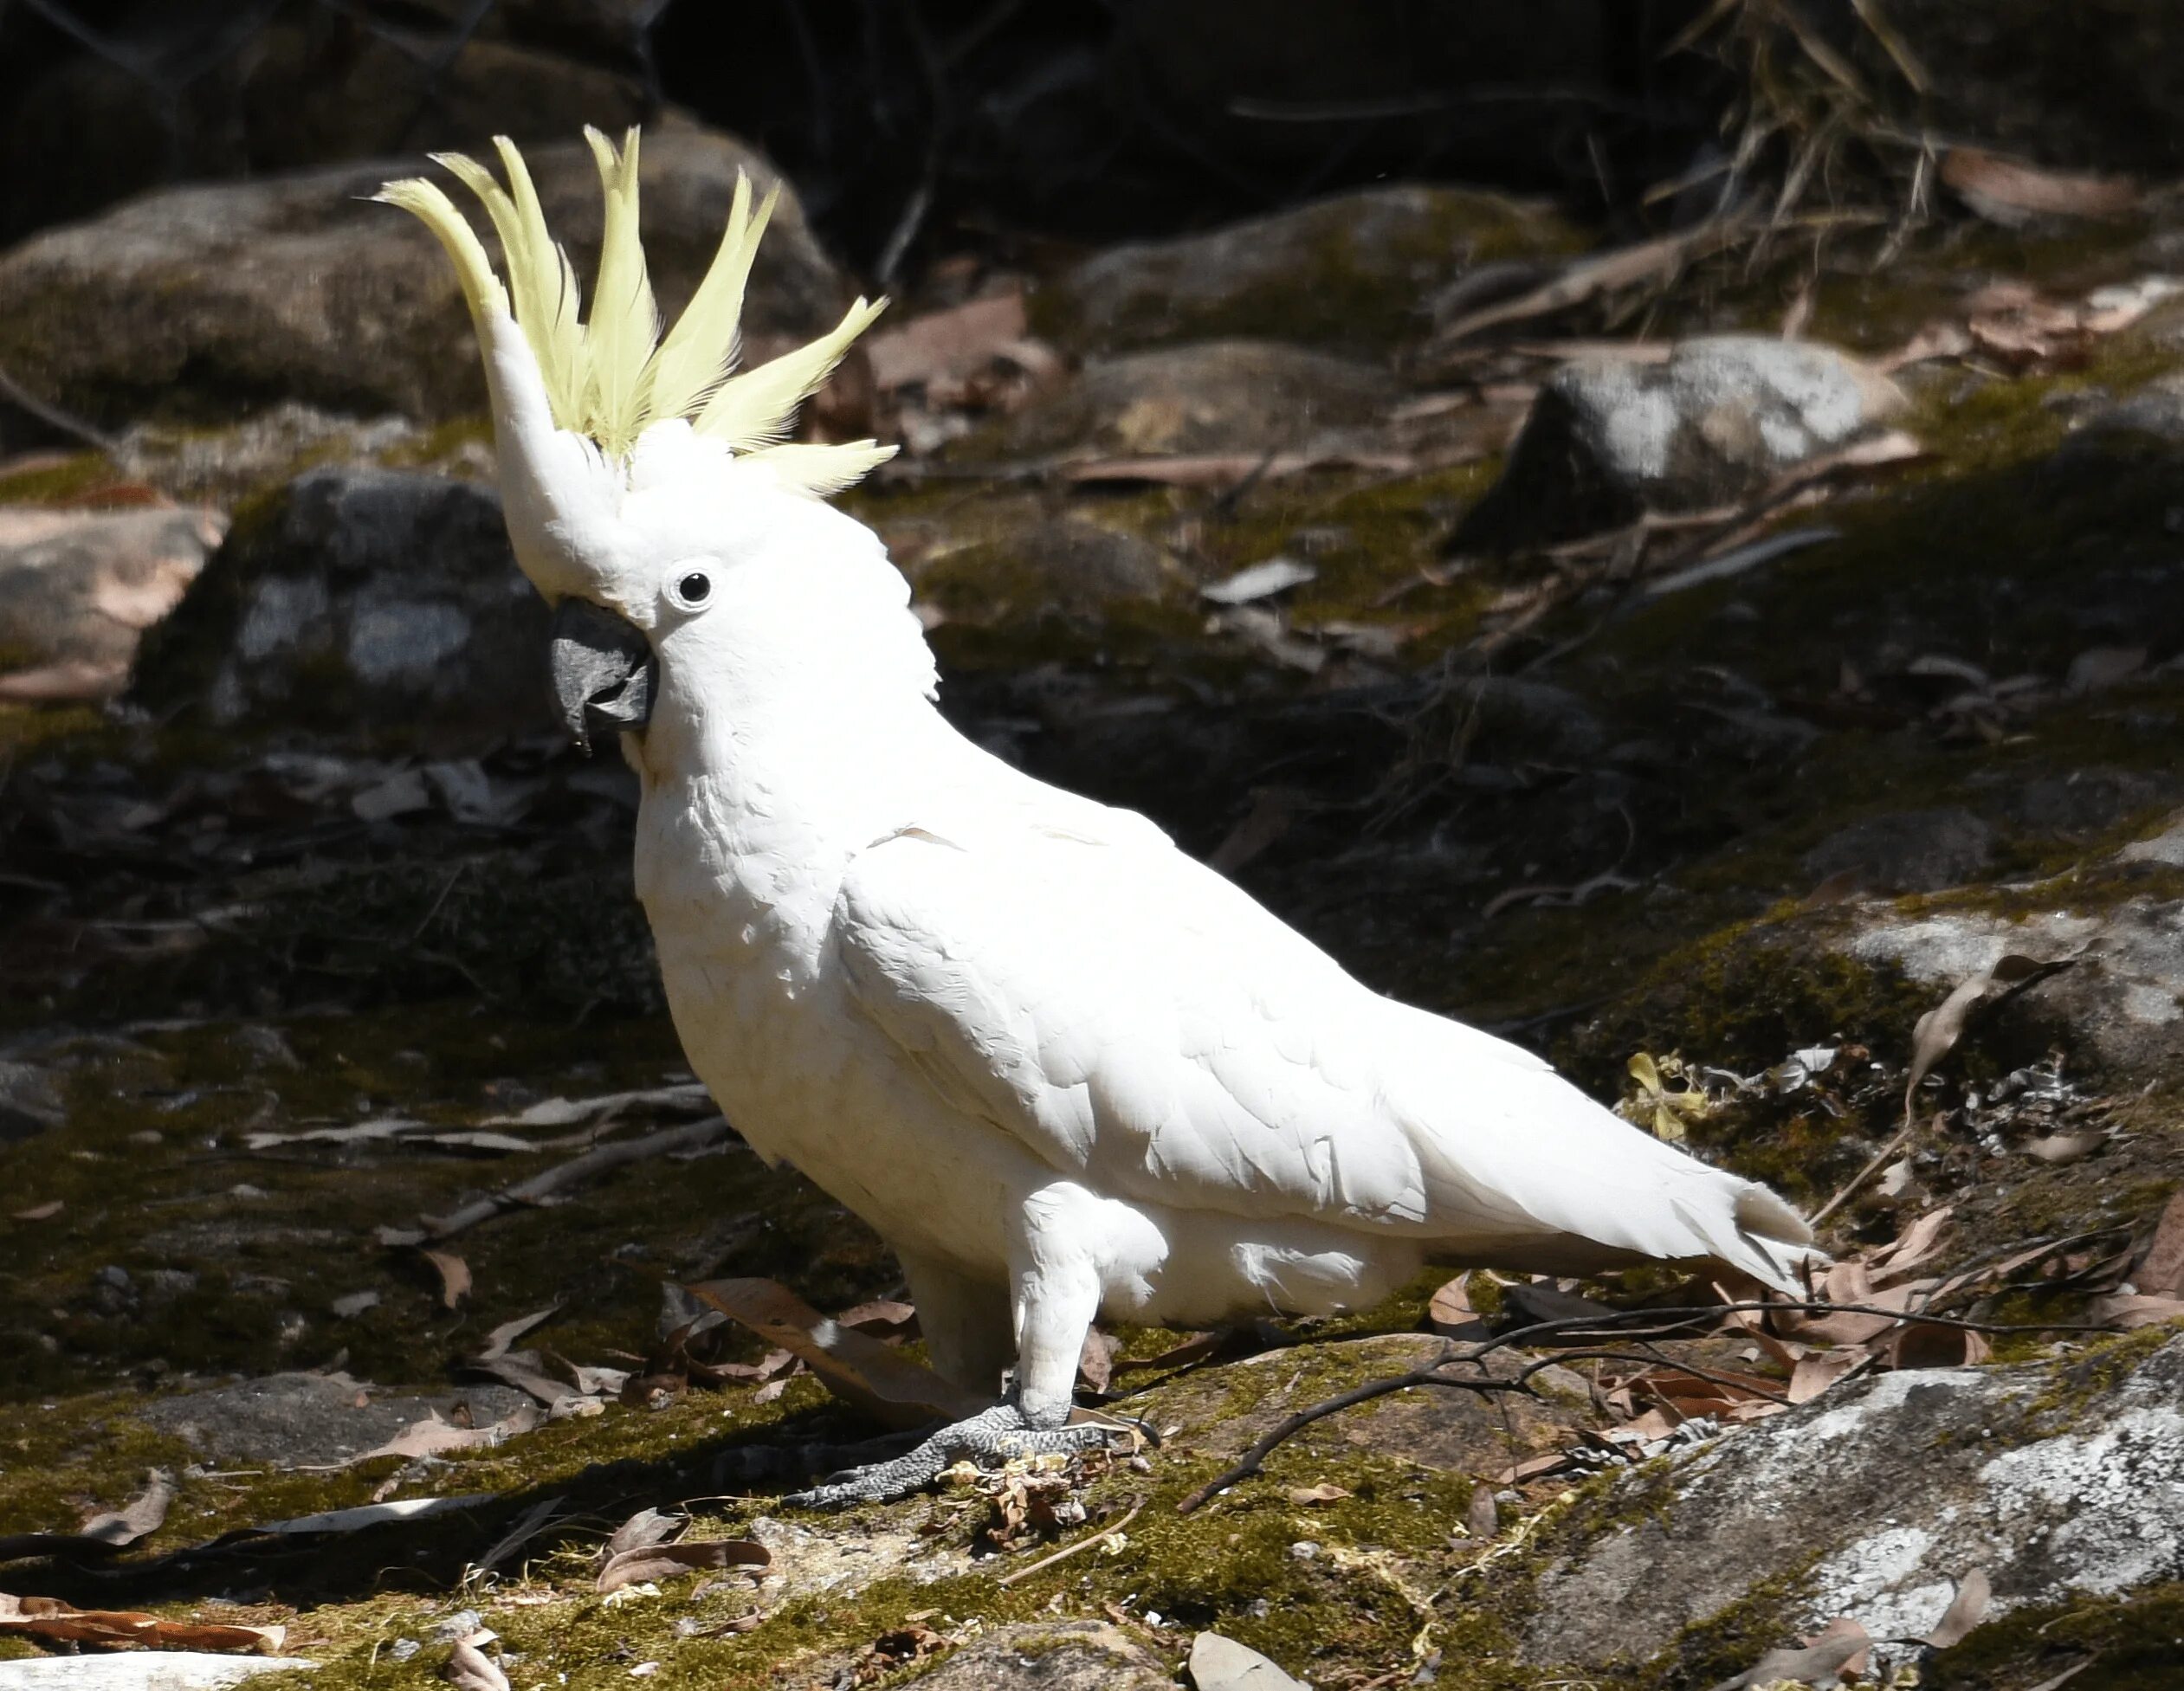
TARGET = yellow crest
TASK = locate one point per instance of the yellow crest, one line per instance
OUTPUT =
(610, 375)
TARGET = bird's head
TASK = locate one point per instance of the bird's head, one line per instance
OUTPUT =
(645, 481)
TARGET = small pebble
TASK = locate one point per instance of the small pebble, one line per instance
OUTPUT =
(1304, 1550)
(402, 1648)
(458, 1625)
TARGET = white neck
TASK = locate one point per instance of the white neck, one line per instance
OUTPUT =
(802, 699)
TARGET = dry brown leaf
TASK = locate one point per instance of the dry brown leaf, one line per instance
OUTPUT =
(666, 1561)
(1938, 1031)
(1096, 1361)
(455, 1276)
(432, 1436)
(1227, 469)
(522, 1370)
(1449, 1312)
(953, 342)
(1586, 278)
(883, 1317)
(1813, 1374)
(2011, 192)
(139, 1518)
(45, 1211)
(1820, 1663)
(854, 1366)
(645, 1528)
(469, 1668)
(497, 1341)
(1913, 1246)
(2125, 1310)
(1325, 1491)
(1966, 1611)
(1935, 340)
(1717, 1392)
(49, 1620)
(2063, 1149)
(2161, 1271)
(103, 1533)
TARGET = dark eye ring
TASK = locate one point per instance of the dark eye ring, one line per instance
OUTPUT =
(695, 588)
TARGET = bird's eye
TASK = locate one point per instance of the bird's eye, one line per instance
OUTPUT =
(694, 588)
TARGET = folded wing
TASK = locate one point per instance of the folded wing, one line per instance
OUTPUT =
(1145, 1026)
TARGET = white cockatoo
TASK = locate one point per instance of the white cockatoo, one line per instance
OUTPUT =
(1063, 1068)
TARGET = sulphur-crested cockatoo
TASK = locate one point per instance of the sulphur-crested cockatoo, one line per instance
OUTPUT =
(1063, 1068)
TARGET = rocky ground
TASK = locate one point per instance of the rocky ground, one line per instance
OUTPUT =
(1696, 662)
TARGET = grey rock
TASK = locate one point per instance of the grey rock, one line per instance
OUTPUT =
(1219, 1663)
(2059, 1483)
(2081, 802)
(1067, 572)
(1907, 851)
(164, 1284)
(460, 1625)
(302, 1419)
(2119, 1007)
(1070, 1655)
(203, 302)
(301, 92)
(29, 1101)
(79, 588)
(1611, 438)
(363, 602)
(2156, 411)
(1352, 271)
(1213, 396)
(228, 463)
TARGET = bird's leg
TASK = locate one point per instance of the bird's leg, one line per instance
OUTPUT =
(1055, 1311)
(992, 1438)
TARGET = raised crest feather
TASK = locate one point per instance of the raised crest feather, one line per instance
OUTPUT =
(610, 374)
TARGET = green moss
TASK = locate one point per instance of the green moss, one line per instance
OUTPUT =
(2089, 1374)
(57, 484)
(2135, 1641)
(262, 1261)
(435, 445)
(1345, 282)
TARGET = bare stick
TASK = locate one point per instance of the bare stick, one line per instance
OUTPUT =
(1878, 1159)
(1084, 1543)
(692, 1135)
(1428, 1374)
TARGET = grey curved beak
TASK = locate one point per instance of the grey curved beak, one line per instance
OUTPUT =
(605, 673)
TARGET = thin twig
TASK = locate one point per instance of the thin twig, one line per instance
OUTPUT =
(1872, 1166)
(1084, 1543)
(65, 423)
(692, 1135)
(1428, 1374)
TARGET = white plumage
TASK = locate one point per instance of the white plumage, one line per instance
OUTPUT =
(1061, 1068)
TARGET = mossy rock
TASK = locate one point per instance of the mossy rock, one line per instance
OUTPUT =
(1354, 271)
(195, 304)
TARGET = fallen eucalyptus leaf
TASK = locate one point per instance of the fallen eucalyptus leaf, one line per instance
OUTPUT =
(665, 1561)
(1966, 1611)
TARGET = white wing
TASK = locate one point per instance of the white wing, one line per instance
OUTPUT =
(1145, 1026)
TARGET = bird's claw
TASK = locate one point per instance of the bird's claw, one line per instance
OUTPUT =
(992, 1438)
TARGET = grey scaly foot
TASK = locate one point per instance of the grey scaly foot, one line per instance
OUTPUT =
(992, 1438)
